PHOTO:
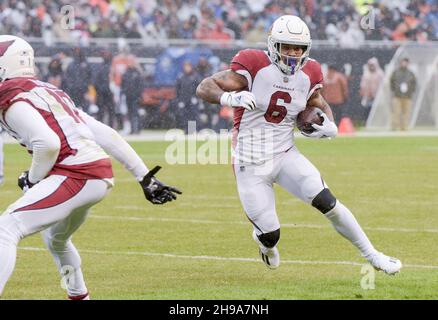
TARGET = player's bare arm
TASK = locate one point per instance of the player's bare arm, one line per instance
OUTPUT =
(212, 88)
(318, 101)
(226, 88)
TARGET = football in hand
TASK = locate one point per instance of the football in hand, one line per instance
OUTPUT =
(307, 117)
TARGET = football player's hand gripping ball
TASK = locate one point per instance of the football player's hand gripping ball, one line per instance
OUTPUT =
(155, 191)
(328, 129)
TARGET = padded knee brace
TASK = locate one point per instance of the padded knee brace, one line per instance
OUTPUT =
(270, 239)
(324, 201)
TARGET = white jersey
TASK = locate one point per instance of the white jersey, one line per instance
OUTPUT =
(44, 118)
(261, 134)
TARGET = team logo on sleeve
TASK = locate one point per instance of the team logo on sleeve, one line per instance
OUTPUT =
(4, 46)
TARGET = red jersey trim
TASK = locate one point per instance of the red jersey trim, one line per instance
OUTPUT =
(100, 169)
(250, 60)
(312, 69)
(11, 88)
(238, 114)
(51, 121)
(66, 190)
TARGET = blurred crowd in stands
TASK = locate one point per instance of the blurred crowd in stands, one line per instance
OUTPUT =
(348, 22)
(124, 93)
(131, 95)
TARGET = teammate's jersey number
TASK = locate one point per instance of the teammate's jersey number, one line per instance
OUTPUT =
(67, 104)
(276, 112)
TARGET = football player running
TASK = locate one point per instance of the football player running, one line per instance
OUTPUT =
(268, 90)
(70, 170)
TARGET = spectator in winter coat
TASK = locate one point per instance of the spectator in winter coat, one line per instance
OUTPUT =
(77, 79)
(335, 92)
(55, 71)
(187, 102)
(403, 86)
(370, 83)
(104, 95)
(132, 88)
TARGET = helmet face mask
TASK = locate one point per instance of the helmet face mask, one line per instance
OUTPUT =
(16, 58)
(288, 30)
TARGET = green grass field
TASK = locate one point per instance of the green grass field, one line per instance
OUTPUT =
(200, 247)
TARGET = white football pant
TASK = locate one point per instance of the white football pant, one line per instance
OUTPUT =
(291, 170)
(57, 205)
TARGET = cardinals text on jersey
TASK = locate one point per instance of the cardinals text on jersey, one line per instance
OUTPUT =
(268, 130)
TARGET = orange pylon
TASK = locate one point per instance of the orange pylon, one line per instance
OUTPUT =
(346, 126)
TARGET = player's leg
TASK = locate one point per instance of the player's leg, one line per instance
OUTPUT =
(10, 235)
(48, 202)
(58, 240)
(13, 229)
(258, 200)
(301, 178)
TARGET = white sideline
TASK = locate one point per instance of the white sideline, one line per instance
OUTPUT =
(285, 225)
(177, 256)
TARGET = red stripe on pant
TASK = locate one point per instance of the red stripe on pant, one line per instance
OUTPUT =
(66, 190)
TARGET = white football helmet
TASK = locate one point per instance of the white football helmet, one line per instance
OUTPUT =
(288, 29)
(16, 58)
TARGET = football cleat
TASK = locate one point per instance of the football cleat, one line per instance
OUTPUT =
(85, 296)
(270, 256)
(384, 263)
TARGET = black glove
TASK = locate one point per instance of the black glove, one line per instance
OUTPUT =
(23, 181)
(156, 191)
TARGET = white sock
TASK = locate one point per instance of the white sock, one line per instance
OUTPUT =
(346, 224)
(68, 261)
(9, 238)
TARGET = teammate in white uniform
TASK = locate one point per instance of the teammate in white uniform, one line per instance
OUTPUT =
(268, 90)
(70, 170)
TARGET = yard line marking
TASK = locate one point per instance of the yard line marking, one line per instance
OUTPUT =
(182, 204)
(202, 197)
(162, 219)
(201, 205)
(218, 258)
(285, 225)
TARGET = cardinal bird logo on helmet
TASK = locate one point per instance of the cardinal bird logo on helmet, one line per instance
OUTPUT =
(4, 46)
